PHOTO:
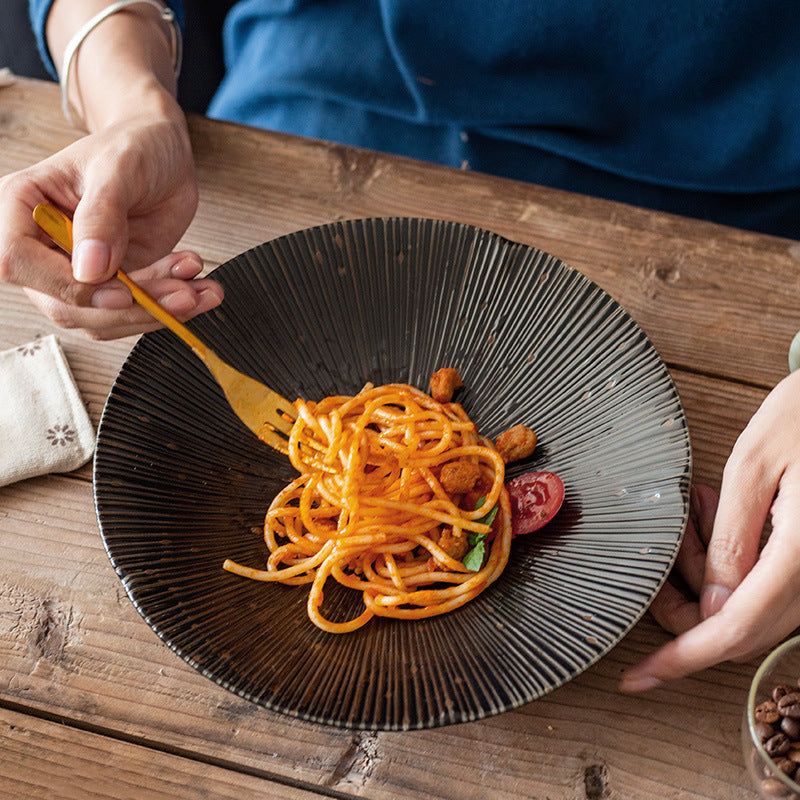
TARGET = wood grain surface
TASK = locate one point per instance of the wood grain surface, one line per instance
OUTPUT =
(94, 704)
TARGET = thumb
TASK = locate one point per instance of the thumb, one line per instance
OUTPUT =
(100, 235)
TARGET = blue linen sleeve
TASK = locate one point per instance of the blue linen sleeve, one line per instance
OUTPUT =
(39, 9)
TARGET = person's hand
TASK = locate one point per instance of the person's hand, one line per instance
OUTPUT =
(132, 193)
(738, 602)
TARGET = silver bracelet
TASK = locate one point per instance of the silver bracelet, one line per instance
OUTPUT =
(77, 40)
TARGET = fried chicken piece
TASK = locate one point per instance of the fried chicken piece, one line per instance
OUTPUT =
(444, 382)
(460, 476)
(516, 443)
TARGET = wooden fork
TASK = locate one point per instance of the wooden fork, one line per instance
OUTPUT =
(263, 410)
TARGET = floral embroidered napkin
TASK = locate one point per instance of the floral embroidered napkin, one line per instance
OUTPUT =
(44, 426)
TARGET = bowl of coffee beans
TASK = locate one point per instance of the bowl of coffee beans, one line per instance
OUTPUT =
(771, 726)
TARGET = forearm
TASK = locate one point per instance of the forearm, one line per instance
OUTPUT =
(123, 68)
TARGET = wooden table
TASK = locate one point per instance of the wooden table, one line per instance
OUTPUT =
(94, 705)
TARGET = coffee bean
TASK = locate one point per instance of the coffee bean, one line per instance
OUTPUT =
(767, 712)
(764, 730)
(778, 745)
(791, 727)
(780, 690)
(794, 752)
(789, 705)
(772, 787)
(785, 765)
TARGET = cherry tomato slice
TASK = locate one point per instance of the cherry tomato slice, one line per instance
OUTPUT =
(535, 500)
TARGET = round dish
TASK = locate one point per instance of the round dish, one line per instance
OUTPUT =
(181, 484)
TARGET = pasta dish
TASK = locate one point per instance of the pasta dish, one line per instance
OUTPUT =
(398, 498)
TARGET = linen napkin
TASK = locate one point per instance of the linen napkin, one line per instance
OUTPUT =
(44, 426)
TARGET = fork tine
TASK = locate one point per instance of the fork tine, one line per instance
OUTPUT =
(258, 406)
(273, 420)
(275, 440)
(277, 412)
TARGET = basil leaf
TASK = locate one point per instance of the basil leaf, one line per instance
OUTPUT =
(473, 560)
(488, 518)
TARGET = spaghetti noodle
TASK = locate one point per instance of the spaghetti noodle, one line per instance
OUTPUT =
(370, 510)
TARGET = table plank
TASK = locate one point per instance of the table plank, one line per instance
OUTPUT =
(46, 760)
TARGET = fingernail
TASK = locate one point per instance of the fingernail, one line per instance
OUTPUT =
(111, 298)
(180, 302)
(712, 598)
(187, 267)
(90, 260)
(215, 293)
(639, 683)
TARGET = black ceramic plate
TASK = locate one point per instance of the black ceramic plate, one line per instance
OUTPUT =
(180, 484)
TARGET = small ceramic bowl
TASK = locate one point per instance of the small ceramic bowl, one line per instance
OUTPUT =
(771, 725)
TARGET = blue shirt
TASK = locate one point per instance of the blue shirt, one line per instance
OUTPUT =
(693, 107)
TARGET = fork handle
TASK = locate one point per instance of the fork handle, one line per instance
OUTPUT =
(58, 226)
(162, 315)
